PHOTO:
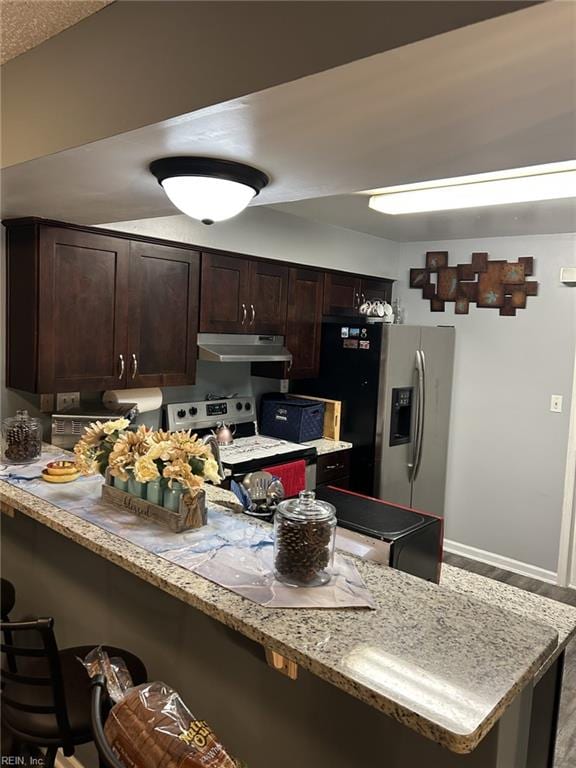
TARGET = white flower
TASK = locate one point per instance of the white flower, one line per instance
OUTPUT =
(145, 470)
(161, 450)
(115, 426)
(211, 470)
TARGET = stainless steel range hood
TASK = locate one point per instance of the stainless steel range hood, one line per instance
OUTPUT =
(242, 348)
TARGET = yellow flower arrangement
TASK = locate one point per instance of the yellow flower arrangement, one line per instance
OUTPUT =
(146, 455)
(145, 469)
(181, 471)
(96, 444)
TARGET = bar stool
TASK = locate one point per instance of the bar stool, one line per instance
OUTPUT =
(7, 598)
(46, 702)
(99, 703)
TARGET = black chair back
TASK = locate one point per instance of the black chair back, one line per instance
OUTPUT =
(100, 704)
(37, 663)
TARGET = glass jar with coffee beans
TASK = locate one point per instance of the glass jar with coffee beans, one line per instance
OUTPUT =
(21, 438)
(304, 533)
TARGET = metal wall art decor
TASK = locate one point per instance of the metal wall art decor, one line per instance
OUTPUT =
(489, 284)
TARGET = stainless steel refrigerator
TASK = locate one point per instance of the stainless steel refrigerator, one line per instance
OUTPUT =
(395, 384)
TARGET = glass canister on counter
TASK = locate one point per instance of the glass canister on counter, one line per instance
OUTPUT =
(21, 438)
(304, 535)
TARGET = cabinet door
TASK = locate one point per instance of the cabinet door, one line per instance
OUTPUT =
(371, 290)
(83, 284)
(341, 294)
(304, 324)
(163, 317)
(268, 298)
(224, 294)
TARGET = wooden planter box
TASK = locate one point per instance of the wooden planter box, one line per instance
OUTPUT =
(191, 512)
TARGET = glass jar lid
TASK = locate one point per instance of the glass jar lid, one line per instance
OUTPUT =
(306, 507)
(21, 418)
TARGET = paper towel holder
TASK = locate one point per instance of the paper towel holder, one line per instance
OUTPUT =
(144, 400)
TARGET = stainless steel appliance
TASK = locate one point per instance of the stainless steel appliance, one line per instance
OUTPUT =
(68, 426)
(242, 348)
(393, 535)
(395, 384)
(250, 451)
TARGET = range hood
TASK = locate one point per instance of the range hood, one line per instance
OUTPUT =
(242, 348)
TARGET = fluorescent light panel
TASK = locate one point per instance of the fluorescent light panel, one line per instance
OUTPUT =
(520, 185)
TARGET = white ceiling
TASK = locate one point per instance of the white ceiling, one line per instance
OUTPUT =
(352, 212)
(497, 94)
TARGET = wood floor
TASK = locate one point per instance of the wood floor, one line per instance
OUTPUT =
(566, 742)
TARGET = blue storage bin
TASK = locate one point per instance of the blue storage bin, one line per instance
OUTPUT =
(297, 421)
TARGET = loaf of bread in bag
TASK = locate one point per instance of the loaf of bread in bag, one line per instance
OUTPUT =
(152, 728)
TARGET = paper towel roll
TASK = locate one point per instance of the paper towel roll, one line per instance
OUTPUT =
(149, 399)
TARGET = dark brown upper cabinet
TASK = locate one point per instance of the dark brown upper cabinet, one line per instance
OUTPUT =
(91, 311)
(372, 289)
(268, 297)
(303, 327)
(342, 294)
(304, 323)
(67, 310)
(241, 295)
(163, 315)
(225, 294)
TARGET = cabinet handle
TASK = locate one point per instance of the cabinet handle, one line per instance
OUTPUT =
(290, 364)
(134, 365)
(243, 313)
(122, 366)
(363, 299)
(330, 467)
(253, 314)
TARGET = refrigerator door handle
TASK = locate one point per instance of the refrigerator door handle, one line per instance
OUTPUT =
(421, 410)
(417, 407)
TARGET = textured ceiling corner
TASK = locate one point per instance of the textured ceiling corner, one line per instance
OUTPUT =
(27, 23)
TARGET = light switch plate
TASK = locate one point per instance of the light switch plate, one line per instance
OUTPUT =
(47, 403)
(556, 403)
(568, 275)
(66, 401)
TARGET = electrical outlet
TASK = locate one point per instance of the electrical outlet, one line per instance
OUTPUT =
(556, 403)
(66, 401)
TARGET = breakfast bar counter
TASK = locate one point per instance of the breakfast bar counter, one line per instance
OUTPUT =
(454, 665)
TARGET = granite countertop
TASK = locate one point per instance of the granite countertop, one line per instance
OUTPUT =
(436, 658)
(324, 445)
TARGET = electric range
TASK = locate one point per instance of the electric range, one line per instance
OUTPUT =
(250, 451)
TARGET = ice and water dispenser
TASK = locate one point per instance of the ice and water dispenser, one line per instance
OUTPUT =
(401, 415)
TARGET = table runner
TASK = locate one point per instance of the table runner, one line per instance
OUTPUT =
(230, 550)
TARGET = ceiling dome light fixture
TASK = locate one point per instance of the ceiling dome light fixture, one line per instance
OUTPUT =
(208, 189)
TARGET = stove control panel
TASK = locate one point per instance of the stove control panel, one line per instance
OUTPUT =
(207, 413)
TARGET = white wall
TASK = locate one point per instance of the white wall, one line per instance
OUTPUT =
(278, 235)
(507, 456)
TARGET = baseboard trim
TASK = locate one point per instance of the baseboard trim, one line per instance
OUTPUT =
(499, 561)
(67, 762)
